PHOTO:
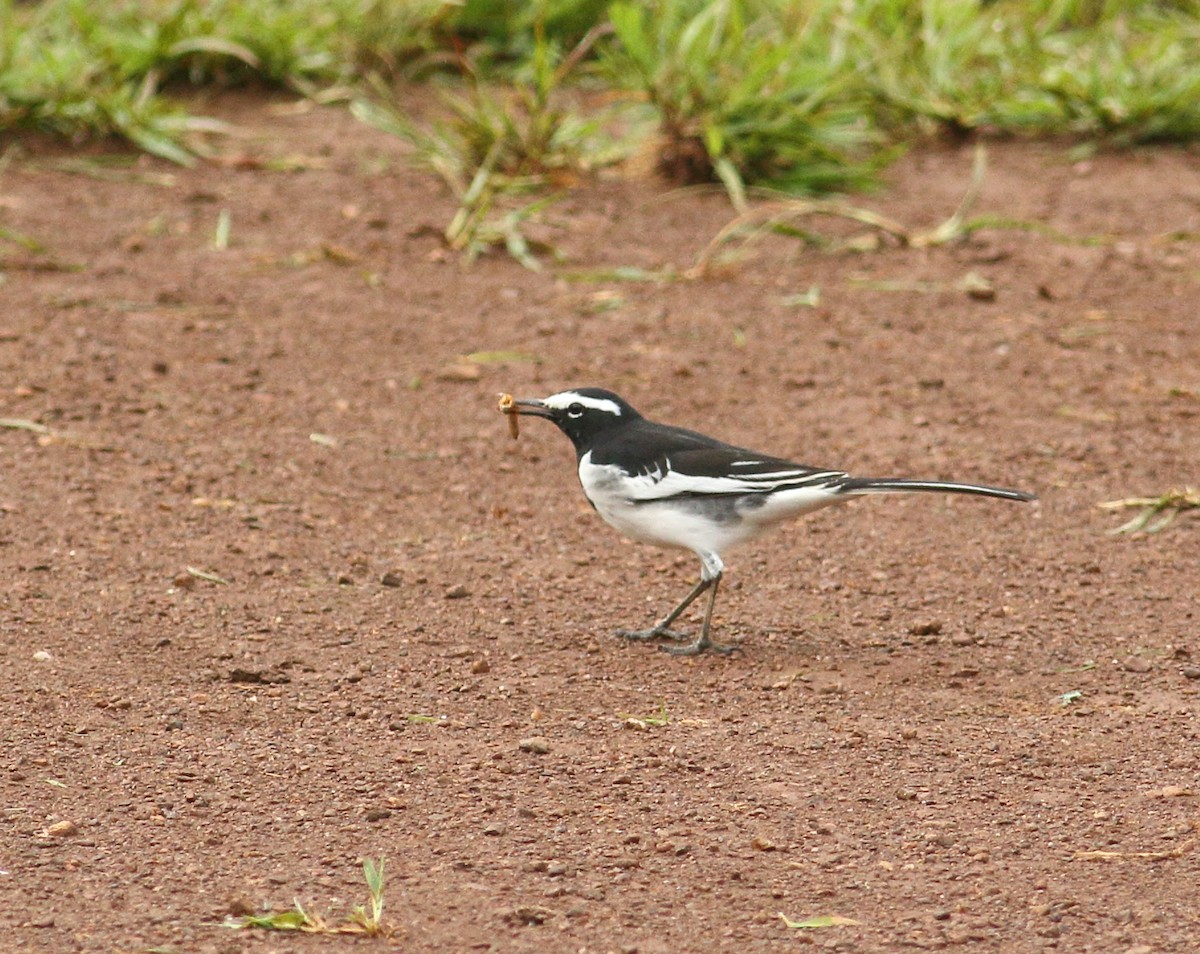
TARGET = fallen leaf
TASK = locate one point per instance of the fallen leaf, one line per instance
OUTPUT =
(205, 575)
(820, 921)
(459, 372)
(500, 357)
(339, 254)
(20, 424)
(1171, 791)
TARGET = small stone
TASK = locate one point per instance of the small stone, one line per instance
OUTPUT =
(457, 592)
(378, 814)
(391, 579)
(930, 628)
(42, 656)
(1136, 664)
(494, 829)
(535, 744)
(184, 581)
(530, 914)
(978, 288)
(62, 829)
(345, 579)
(480, 666)
(760, 843)
(1190, 672)
(962, 639)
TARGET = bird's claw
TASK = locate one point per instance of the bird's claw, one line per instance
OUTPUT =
(654, 632)
(700, 646)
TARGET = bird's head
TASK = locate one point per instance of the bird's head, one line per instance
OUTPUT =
(581, 413)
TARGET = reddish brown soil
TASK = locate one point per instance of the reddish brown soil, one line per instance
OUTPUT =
(892, 744)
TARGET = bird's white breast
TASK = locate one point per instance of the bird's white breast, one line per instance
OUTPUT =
(641, 506)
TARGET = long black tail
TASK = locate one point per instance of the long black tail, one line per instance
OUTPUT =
(901, 485)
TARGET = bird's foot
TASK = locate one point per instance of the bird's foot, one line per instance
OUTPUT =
(701, 645)
(654, 632)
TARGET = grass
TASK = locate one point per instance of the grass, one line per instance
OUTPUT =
(500, 148)
(658, 720)
(363, 919)
(78, 70)
(747, 92)
(804, 97)
(779, 215)
(1155, 513)
(1116, 72)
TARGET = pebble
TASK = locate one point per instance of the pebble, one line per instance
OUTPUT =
(1136, 664)
(930, 628)
(1190, 672)
(495, 829)
(42, 656)
(391, 579)
(457, 592)
(62, 829)
(535, 744)
(480, 666)
(530, 914)
(978, 288)
(378, 814)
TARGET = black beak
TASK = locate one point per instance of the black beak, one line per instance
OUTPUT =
(532, 407)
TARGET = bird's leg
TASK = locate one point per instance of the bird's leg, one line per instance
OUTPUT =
(662, 629)
(702, 643)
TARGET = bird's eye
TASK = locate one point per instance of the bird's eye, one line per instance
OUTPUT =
(575, 410)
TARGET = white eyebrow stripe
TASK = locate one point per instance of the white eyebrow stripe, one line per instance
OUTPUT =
(564, 399)
(745, 463)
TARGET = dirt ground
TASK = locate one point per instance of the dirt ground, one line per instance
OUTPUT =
(281, 594)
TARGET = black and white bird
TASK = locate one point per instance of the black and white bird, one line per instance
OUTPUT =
(677, 488)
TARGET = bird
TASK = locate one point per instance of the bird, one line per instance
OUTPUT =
(674, 487)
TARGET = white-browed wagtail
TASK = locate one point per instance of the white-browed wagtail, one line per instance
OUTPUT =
(674, 487)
